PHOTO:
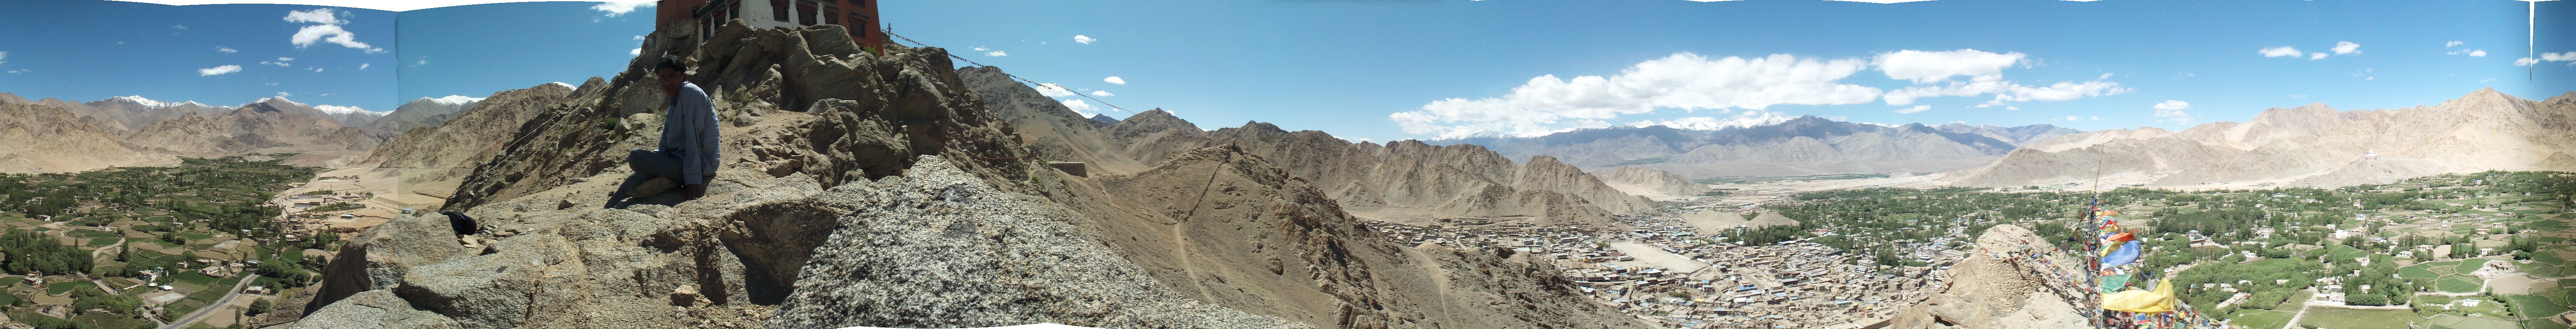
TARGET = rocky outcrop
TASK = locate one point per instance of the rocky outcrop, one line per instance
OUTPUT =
(936, 248)
(2312, 145)
(1226, 226)
(1989, 292)
(1646, 182)
(47, 139)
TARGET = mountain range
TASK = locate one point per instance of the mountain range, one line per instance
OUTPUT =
(1806, 145)
(2312, 145)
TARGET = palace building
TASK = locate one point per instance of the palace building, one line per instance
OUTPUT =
(860, 16)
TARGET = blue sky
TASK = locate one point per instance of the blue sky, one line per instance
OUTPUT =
(477, 50)
(234, 54)
(214, 54)
(1358, 69)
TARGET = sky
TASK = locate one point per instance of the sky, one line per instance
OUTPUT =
(370, 59)
(1389, 70)
(215, 54)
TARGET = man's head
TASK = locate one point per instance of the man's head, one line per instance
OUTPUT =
(671, 73)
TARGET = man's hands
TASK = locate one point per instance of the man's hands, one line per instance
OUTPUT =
(693, 191)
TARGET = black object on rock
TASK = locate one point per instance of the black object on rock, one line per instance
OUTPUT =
(464, 225)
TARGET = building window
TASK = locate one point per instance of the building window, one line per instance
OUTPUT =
(778, 10)
(804, 13)
(831, 15)
(858, 26)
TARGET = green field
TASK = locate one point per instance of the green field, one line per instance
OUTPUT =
(59, 288)
(11, 281)
(2461, 322)
(2470, 265)
(2418, 271)
(102, 242)
(2458, 284)
(2261, 318)
(2536, 305)
(193, 277)
(2339, 318)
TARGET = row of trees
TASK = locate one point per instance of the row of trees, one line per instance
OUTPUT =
(31, 252)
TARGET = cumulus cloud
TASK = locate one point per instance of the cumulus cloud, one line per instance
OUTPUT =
(635, 52)
(2282, 51)
(1080, 107)
(2477, 53)
(1102, 93)
(639, 38)
(1053, 90)
(324, 16)
(615, 8)
(2316, 56)
(1083, 39)
(1916, 108)
(2453, 43)
(218, 70)
(2525, 61)
(1114, 80)
(2171, 110)
(2346, 47)
(226, 49)
(1683, 81)
(326, 29)
(996, 53)
(1934, 66)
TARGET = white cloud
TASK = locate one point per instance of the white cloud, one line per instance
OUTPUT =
(2012, 108)
(285, 59)
(282, 94)
(639, 38)
(1683, 81)
(1114, 80)
(20, 71)
(182, 27)
(2282, 51)
(424, 60)
(620, 7)
(219, 70)
(2061, 91)
(1934, 66)
(2346, 47)
(2171, 110)
(362, 66)
(1053, 90)
(2097, 118)
(329, 33)
(2477, 53)
(2074, 118)
(226, 49)
(1916, 108)
(3, 56)
(317, 69)
(980, 48)
(1102, 93)
(635, 52)
(2453, 43)
(1080, 107)
(324, 16)
(1083, 39)
(996, 54)
(274, 63)
(2316, 56)
(1749, 118)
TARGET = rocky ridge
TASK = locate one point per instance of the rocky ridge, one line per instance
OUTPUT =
(1806, 145)
(1642, 181)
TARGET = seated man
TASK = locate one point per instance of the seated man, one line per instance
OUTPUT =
(688, 153)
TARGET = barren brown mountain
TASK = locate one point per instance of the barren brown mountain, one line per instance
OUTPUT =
(45, 138)
(2312, 145)
(1651, 183)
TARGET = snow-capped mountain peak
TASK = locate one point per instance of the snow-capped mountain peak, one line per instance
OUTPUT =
(565, 85)
(280, 99)
(346, 110)
(145, 102)
(451, 100)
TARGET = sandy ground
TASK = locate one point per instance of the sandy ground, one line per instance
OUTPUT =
(1769, 192)
(1650, 256)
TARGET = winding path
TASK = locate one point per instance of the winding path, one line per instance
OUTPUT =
(211, 308)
